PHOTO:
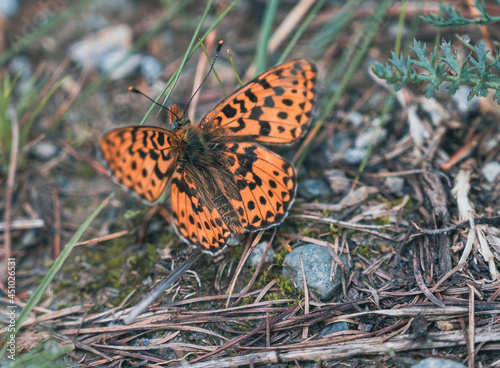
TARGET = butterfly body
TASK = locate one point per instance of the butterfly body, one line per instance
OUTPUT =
(222, 181)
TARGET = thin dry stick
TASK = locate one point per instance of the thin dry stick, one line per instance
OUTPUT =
(370, 229)
(257, 270)
(57, 222)
(74, 93)
(200, 74)
(107, 237)
(422, 286)
(10, 183)
(305, 330)
(240, 265)
(471, 327)
(288, 24)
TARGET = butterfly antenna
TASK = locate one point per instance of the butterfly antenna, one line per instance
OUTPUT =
(135, 90)
(219, 47)
(162, 286)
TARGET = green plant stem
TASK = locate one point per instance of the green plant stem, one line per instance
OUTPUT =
(300, 31)
(265, 33)
(401, 24)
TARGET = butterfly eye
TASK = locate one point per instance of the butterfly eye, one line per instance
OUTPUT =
(174, 126)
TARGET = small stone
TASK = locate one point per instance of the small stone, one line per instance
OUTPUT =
(465, 107)
(317, 262)
(339, 182)
(119, 64)
(8, 8)
(395, 184)
(438, 363)
(21, 64)
(355, 155)
(150, 68)
(92, 49)
(491, 171)
(44, 151)
(365, 139)
(28, 238)
(258, 252)
(355, 118)
(333, 328)
(314, 189)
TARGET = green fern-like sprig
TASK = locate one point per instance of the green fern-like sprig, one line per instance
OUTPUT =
(434, 70)
(449, 16)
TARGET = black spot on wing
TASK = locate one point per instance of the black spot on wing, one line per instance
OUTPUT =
(229, 111)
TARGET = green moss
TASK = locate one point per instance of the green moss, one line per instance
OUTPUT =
(365, 251)
(152, 253)
(87, 172)
(384, 220)
(246, 301)
(280, 256)
(287, 289)
(236, 253)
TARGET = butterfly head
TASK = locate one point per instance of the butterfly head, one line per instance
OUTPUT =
(177, 118)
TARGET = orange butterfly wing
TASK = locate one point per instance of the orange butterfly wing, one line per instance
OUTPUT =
(274, 108)
(266, 183)
(195, 221)
(142, 159)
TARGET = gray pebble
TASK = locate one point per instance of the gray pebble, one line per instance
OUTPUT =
(438, 363)
(491, 171)
(314, 189)
(92, 49)
(317, 262)
(354, 155)
(334, 327)
(355, 118)
(150, 68)
(255, 257)
(28, 238)
(365, 139)
(21, 64)
(465, 107)
(44, 151)
(119, 64)
(395, 184)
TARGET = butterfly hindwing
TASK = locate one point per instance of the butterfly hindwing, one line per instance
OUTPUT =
(195, 221)
(266, 183)
(142, 159)
(274, 108)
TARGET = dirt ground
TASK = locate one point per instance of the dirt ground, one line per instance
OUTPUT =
(403, 190)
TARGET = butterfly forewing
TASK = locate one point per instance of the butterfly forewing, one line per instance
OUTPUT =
(141, 159)
(274, 108)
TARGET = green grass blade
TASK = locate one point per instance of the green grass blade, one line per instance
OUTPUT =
(265, 33)
(213, 69)
(300, 31)
(25, 130)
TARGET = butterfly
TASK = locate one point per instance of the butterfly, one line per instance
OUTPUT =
(222, 180)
